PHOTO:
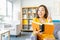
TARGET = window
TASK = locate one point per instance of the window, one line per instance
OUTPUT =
(9, 8)
(6, 10)
(3, 7)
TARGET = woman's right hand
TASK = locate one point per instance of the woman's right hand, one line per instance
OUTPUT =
(36, 32)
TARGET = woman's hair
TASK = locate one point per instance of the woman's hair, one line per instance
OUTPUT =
(46, 11)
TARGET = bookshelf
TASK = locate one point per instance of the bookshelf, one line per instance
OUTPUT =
(28, 13)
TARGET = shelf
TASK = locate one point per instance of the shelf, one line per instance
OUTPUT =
(24, 30)
(25, 24)
(29, 24)
(33, 7)
(28, 13)
(30, 18)
(25, 18)
(24, 13)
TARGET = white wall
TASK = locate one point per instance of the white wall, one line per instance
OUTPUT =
(16, 9)
(52, 5)
(16, 12)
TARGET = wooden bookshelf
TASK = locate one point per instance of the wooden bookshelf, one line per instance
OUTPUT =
(28, 13)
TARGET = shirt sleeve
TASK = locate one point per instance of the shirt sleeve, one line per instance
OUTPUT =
(34, 25)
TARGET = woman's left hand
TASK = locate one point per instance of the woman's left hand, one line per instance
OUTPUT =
(49, 19)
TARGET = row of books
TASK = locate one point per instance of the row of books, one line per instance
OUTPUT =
(29, 10)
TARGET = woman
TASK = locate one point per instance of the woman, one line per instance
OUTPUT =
(42, 17)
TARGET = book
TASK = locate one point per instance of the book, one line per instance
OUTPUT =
(43, 23)
(45, 27)
(41, 27)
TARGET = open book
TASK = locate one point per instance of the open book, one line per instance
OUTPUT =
(45, 27)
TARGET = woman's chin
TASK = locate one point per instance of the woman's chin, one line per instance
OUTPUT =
(40, 16)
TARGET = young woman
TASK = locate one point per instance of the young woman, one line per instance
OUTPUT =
(42, 17)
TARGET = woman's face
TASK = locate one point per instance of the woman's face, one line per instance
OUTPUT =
(41, 12)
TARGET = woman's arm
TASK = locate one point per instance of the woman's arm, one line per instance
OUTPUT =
(49, 19)
(35, 26)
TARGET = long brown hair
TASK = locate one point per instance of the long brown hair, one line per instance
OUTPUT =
(46, 11)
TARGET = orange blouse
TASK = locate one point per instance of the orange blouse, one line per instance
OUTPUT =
(37, 20)
(36, 27)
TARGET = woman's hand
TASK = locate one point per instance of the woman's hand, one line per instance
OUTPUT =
(49, 19)
(36, 32)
